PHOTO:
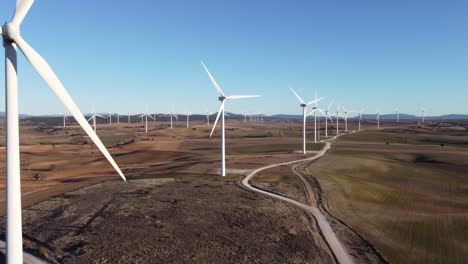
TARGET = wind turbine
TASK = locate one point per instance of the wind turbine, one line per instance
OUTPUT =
(129, 118)
(345, 117)
(314, 111)
(93, 117)
(208, 118)
(378, 119)
(304, 114)
(423, 110)
(146, 115)
(173, 115)
(118, 118)
(327, 116)
(398, 115)
(188, 122)
(222, 98)
(338, 120)
(360, 118)
(11, 40)
(110, 118)
(65, 117)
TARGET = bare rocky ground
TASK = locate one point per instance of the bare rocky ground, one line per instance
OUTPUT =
(193, 219)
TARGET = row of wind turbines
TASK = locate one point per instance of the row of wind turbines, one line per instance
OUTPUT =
(13, 40)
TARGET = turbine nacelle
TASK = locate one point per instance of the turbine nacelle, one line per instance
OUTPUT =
(303, 105)
(222, 98)
(10, 31)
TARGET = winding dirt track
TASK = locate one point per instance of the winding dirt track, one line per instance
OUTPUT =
(329, 235)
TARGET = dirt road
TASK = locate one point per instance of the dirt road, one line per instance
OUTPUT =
(329, 235)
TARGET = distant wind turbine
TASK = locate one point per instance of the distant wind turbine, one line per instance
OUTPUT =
(314, 111)
(304, 117)
(65, 117)
(146, 115)
(378, 119)
(93, 117)
(222, 98)
(327, 116)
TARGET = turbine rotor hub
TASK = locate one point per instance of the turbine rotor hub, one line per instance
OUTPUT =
(221, 98)
(10, 31)
(303, 105)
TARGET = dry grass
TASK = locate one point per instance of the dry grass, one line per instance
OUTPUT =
(410, 201)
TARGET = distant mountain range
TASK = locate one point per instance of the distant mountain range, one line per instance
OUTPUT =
(286, 116)
(390, 117)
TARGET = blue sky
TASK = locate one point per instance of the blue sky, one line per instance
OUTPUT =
(121, 55)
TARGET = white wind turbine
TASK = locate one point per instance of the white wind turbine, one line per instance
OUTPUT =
(208, 118)
(360, 118)
(327, 116)
(314, 111)
(338, 120)
(345, 117)
(146, 115)
(11, 40)
(222, 98)
(423, 110)
(378, 119)
(304, 114)
(93, 117)
(110, 118)
(188, 119)
(173, 115)
(398, 115)
(65, 117)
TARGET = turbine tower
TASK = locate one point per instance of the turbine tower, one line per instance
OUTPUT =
(222, 98)
(327, 116)
(146, 115)
(338, 120)
(188, 120)
(304, 117)
(65, 117)
(398, 115)
(378, 120)
(11, 40)
(110, 119)
(345, 117)
(314, 111)
(93, 117)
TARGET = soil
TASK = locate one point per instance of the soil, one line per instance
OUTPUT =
(170, 220)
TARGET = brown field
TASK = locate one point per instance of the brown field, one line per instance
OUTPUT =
(405, 190)
(73, 200)
(176, 209)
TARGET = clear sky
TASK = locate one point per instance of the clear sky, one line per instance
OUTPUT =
(121, 55)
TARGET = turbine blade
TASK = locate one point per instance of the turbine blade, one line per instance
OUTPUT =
(100, 116)
(22, 8)
(315, 101)
(49, 77)
(241, 96)
(311, 112)
(323, 113)
(216, 85)
(298, 97)
(90, 118)
(221, 109)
